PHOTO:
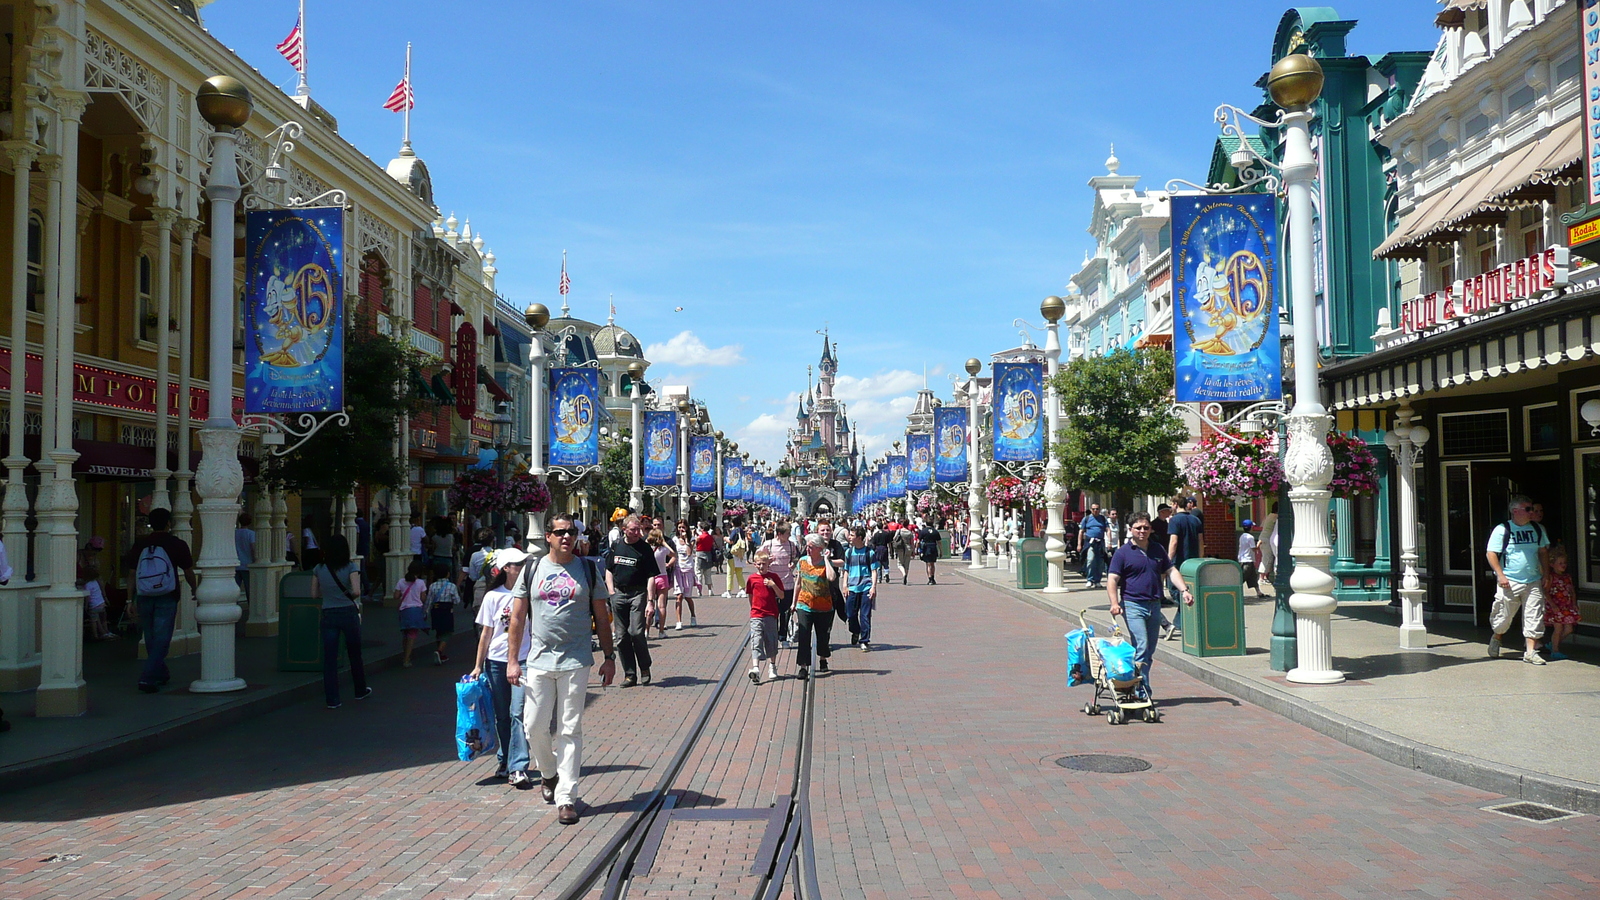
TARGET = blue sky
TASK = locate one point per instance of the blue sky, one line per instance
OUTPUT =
(912, 176)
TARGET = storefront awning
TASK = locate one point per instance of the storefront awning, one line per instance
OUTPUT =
(1488, 195)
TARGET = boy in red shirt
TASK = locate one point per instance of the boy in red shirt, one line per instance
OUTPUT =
(764, 589)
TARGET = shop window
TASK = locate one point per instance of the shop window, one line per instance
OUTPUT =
(1458, 519)
(35, 261)
(146, 305)
(1543, 428)
(1589, 477)
(1569, 68)
(1474, 434)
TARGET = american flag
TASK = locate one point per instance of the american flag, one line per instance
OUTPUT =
(401, 99)
(293, 48)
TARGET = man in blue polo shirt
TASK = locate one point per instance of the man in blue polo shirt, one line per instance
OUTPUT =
(1134, 586)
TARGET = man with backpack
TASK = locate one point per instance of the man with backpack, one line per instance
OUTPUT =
(154, 561)
(1518, 552)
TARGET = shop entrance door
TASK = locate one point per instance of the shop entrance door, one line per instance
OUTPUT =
(1492, 487)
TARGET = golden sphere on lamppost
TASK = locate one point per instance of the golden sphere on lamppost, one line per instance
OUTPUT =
(974, 366)
(537, 315)
(635, 371)
(1053, 308)
(1295, 81)
(224, 101)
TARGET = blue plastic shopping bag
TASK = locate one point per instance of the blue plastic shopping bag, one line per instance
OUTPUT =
(474, 718)
(1078, 671)
(1118, 659)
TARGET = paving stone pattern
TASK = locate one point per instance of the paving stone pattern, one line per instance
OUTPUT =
(365, 801)
(936, 778)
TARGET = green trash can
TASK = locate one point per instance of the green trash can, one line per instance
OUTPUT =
(1214, 626)
(1031, 572)
(299, 625)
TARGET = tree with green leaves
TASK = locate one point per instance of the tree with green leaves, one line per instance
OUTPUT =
(378, 376)
(1119, 437)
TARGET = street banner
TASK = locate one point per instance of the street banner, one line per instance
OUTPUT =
(294, 310)
(660, 447)
(1018, 423)
(1225, 298)
(949, 444)
(574, 417)
(919, 461)
(702, 464)
(897, 476)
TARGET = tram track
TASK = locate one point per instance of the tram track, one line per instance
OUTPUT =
(786, 852)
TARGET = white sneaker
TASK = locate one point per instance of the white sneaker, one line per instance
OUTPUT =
(680, 626)
(693, 622)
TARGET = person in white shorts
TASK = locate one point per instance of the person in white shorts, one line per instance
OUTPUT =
(1518, 553)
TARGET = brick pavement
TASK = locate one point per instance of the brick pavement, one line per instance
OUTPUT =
(364, 801)
(936, 778)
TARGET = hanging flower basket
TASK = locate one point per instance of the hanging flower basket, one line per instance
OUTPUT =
(1240, 468)
(526, 494)
(476, 491)
(1355, 469)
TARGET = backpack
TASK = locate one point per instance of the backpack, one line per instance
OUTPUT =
(1505, 536)
(155, 573)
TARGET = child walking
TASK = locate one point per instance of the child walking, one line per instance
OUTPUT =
(1560, 602)
(764, 589)
(443, 598)
(413, 614)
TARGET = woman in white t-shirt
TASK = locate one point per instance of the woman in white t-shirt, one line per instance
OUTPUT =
(505, 566)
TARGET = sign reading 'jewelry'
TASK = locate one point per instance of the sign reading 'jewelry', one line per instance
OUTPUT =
(294, 310)
(1225, 337)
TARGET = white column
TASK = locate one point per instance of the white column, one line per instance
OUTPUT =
(538, 397)
(264, 573)
(1405, 443)
(1055, 493)
(975, 505)
(19, 658)
(220, 479)
(1308, 463)
(164, 220)
(62, 690)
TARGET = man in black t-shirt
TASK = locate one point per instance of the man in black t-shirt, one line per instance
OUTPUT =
(630, 574)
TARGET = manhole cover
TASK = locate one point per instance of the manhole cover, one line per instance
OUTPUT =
(1108, 765)
(1533, 812)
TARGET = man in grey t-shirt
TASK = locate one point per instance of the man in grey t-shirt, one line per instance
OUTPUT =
(549, 600)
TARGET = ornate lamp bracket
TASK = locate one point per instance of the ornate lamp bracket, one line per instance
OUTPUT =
(275, 431)
(1257, 417)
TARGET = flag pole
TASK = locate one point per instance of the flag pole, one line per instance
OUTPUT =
(406, 140)
(304, 90)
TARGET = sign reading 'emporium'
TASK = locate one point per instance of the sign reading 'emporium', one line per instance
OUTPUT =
(1589, 35)
(1225, 333)
(1521, 280)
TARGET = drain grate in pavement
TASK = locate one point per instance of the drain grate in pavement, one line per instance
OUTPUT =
(1532, 812)
(1104, 764)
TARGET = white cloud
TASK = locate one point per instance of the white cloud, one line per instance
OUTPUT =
(686, 349)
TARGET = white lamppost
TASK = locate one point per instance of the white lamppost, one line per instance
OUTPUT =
(225, 103)
(974, 478)
(1405, 442)
(1295, 82)
(636, 413)
(537, 315)
(1055, 493)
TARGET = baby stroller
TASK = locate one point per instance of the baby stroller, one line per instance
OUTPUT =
(1118, 687)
